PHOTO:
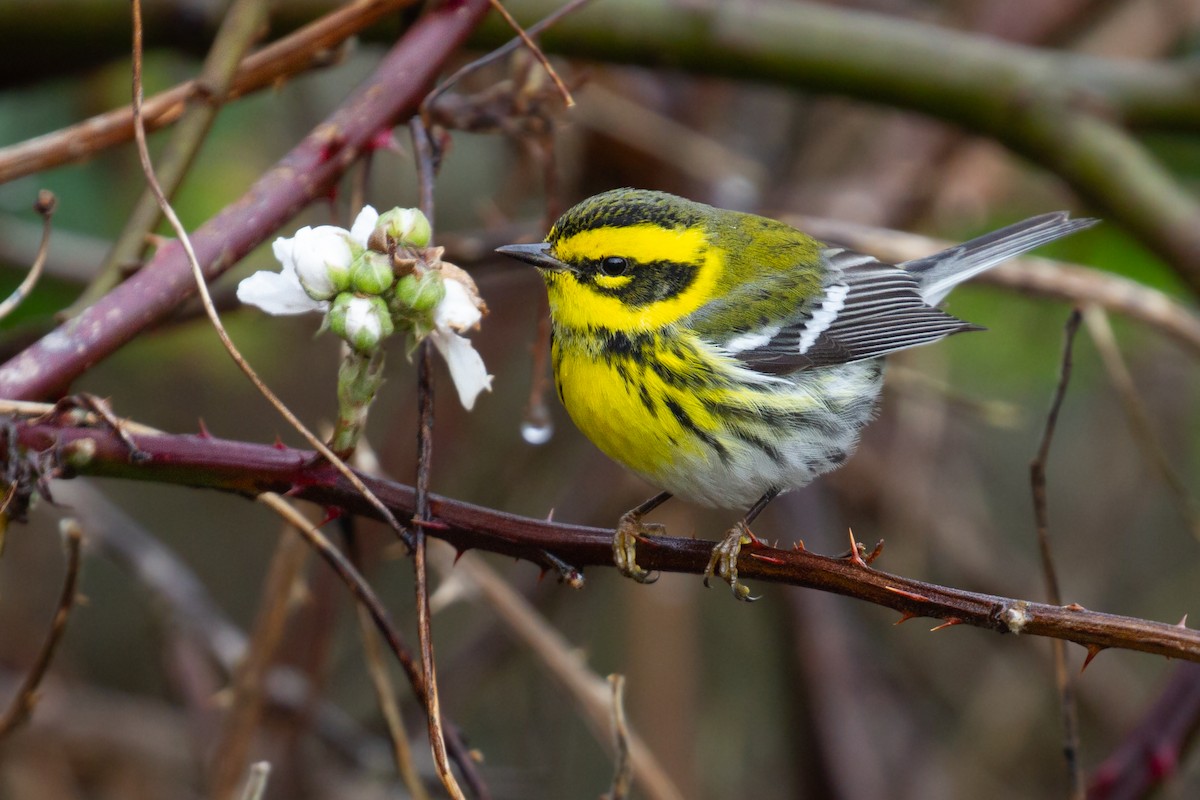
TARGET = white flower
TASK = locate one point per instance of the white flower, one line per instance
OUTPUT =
(457, 311)
(315, 267)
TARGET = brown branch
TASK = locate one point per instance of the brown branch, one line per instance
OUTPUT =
(27, 695)
(306, 173)
(622, 780)
(1037, 480)
(437, 737)
(305, 49)
(249, 469)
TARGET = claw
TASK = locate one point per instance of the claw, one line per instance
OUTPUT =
(629, 530)
(723, 562)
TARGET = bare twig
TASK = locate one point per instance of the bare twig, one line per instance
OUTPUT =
(1037, 478)
(1139, 419)
(622, 764)
(307, 48)
(437, 737)
(45, 206)
(381, 681)
(27, 695)
(501, 51)
(536, 51)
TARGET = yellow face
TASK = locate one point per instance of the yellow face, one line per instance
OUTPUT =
(636, 277)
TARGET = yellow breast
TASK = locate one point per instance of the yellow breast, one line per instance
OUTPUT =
(624, 408)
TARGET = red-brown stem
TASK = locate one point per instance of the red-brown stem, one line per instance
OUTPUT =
(250, 469)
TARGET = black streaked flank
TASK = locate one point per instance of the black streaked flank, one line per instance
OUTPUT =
(688, 424)
(755, 440)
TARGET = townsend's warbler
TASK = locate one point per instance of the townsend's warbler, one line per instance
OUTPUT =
(727, 357)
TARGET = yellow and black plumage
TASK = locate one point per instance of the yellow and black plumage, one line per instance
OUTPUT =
(726, 357)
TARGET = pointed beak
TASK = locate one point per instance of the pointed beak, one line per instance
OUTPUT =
(536, 254)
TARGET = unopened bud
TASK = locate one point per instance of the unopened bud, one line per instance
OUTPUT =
(420, 295)
(371, 273)
(363, 322)
(407, 227)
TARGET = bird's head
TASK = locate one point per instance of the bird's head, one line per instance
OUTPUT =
(628, 260)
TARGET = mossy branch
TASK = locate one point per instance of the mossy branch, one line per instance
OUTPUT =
(1072, 114)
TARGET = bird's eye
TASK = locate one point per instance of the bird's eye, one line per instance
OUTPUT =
(614, 266)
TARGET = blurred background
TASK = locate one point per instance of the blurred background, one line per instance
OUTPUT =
(799, 695)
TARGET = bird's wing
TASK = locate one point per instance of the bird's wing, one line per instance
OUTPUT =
(865, 309)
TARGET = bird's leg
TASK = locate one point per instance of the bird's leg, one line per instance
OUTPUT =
(629, 530)
(724, 558)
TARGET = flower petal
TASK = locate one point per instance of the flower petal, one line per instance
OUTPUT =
(467, 371)
(457, 311)
(277, 293)
(364, 225)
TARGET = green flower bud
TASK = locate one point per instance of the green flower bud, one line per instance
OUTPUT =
(420, 295)
(363, 322)
(407, 227)
(371, 273)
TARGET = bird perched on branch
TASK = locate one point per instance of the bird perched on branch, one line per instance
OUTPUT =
(726, 357)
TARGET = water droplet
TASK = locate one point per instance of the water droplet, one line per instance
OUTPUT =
(536, 431)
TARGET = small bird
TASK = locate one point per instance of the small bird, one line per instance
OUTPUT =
(726, 357)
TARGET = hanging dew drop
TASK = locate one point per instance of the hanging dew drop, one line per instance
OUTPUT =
(537, 431)
(537, 427)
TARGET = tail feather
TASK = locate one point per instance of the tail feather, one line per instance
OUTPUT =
(939, 273)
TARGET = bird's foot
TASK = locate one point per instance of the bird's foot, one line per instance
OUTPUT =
(723, 562)
(630, 529)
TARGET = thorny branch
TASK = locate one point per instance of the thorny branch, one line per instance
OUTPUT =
(250, 469)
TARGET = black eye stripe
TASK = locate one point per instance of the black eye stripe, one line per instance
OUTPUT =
(648, 283)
